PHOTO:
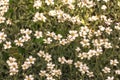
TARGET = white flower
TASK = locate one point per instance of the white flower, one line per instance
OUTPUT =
(84, 31)
(3, 36)
(48, 40)
(28, 32)
(107, 45)
(103, 17)
(7, 45)
(49, 77)
(49, 2)
(13, 66)
(87, 3)
(83, 68)
(69, 61)
(13, 71)
(117, 72)
(57, 37)
(30, 77)
(31, 60)
(77, 49)
(4, 6)
(106, 0)
(104, 7)
(37, 4)
(42, 73)
(110, 78)
(41, 53)
(75, 19)
(2, 19)
(78, 64)
(38, 34)
(8, 22)
(50, 65)
(93, 18)
(85, 42)
(39, 17)
(101, 28)
(52, 13)
(47, 57)
(25, 66)
(108, 30)
(28, 63)
(25, 38)
(11, 59)
(117, 27)
(62, 60)
(63, 41)
(108, 21)
(25, 31)
(114, 62)
(106, 70)
(97, 33)
(73, 33)
(55, 72)
(51, 34)
(19, 42)
(90, 74)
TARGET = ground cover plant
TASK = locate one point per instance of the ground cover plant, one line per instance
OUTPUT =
(59, 39)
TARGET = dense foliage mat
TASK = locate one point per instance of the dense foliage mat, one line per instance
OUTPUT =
(59, 39)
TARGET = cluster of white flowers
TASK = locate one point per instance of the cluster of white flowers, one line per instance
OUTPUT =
(93, 18)
(46, 56)
(91, 41)
(50, 72)
(84, 30)
(83, 68)
(3, 37)
(12, 65)
(89, 54)
(107, 70)
(108, 21)
(70, 3)
(102, 42)
(62, 60)
(62, 16)
(28, 63)
(4, 6)
(86, 3)
(39, 17)
(24, 38)
(58, 37)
